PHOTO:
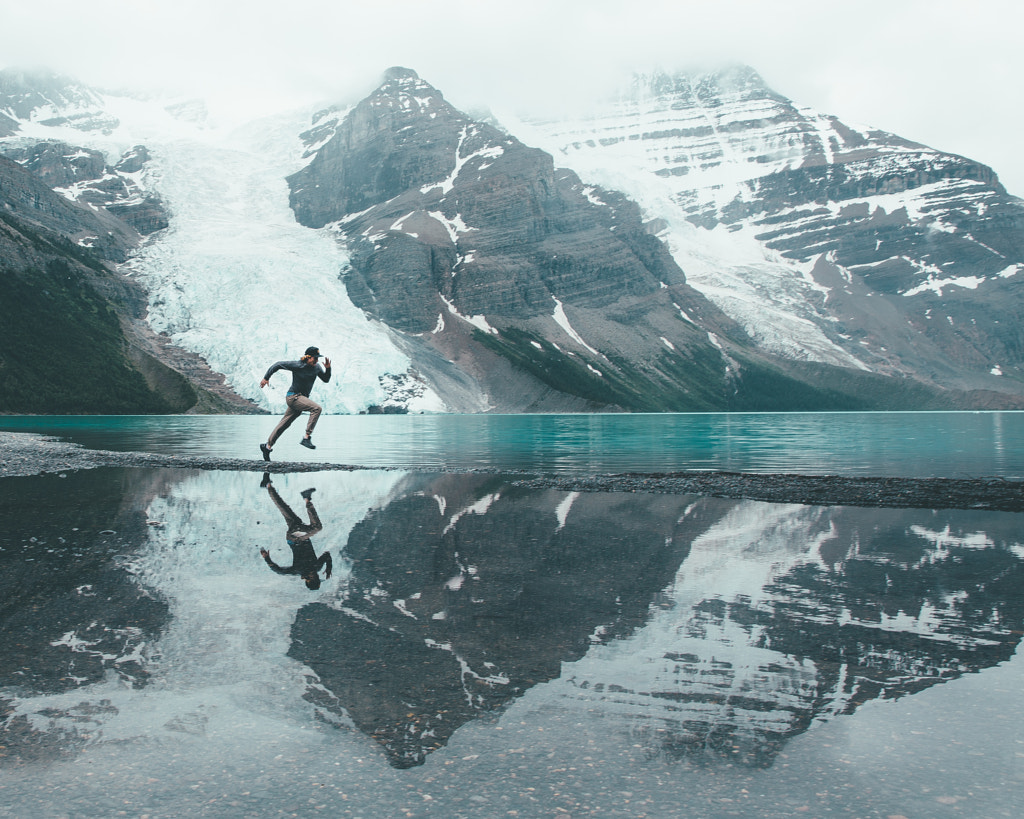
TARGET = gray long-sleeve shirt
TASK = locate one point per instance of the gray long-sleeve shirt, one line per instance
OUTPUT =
(304, 375)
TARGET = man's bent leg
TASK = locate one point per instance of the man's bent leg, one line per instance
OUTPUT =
(291, 519)
(305, 404)
(290, 415)
(314, 520)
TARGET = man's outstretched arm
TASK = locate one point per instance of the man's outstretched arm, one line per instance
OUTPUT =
(279, 365)
(271, 563)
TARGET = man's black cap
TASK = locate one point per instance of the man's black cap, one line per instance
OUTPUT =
(313, 351)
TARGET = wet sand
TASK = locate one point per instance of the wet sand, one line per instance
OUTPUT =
(24, 454)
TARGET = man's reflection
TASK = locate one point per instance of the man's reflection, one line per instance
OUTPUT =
(305, 563)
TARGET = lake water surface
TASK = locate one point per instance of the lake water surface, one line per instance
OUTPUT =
(903, 444)
(483, 649)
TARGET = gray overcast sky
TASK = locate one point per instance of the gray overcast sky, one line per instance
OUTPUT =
(948, 73)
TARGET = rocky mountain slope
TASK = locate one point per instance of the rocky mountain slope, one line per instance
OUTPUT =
(472, 243)
(62, 346)
(74, 335)
(824, 240)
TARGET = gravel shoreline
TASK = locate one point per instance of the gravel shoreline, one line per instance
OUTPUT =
(24, 454)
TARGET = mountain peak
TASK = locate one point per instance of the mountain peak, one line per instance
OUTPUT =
(397, 72)
(735, 81)
(403, 87)
(406, 120)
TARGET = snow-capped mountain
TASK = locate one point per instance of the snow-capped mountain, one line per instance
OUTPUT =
(826, 241)
(713, 247)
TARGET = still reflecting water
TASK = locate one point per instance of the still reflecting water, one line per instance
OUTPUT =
(910, 444)
(483, 649)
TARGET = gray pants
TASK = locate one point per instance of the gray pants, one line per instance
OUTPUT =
(297, 404)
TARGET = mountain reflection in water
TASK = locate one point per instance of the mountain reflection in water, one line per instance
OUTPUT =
(465, 592)
(137, 605)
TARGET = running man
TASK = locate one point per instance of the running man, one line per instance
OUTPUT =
(304, 372)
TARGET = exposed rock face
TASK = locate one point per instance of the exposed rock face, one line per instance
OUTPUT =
(903, 257)
(476, 219)
(8, 126)
(456, 229)
(82, 175)
(55, 296)
(26, 196)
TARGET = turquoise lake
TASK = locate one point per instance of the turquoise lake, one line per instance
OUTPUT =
(913, 444)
